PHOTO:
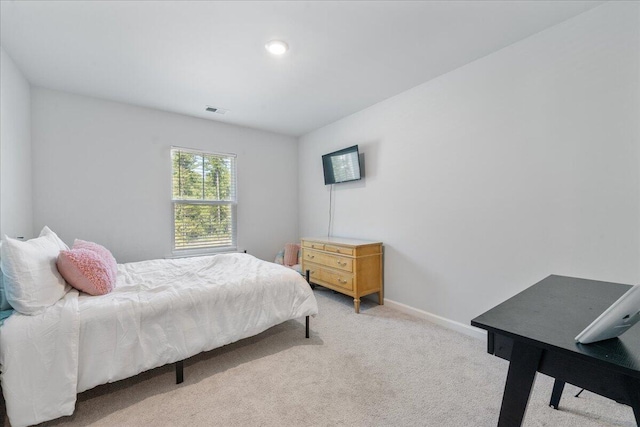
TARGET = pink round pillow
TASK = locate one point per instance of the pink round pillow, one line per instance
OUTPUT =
(86, 270)
(104, 253)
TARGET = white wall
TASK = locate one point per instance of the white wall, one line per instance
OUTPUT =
(102, 172)
(15, 151)
(491, 177)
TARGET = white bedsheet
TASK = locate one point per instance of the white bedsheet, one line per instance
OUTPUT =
(161, 311)
(39, 362)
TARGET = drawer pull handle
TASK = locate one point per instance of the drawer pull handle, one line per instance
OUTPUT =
(342, 281)
(311, 256)
(341, 263)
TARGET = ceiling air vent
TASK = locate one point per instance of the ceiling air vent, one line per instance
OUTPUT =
(216, 110)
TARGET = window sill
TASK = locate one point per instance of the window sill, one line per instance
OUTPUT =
(186, 253)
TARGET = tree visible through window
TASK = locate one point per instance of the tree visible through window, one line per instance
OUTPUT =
(204, 200)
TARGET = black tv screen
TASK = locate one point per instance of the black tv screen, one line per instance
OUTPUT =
(341, 166)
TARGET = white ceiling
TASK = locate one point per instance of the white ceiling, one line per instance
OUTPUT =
(181, 56)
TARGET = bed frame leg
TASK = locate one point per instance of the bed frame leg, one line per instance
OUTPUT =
(3, 409)
(179, 372)
(307, 276)
(307, 322)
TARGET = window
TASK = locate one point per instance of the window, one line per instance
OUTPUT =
(204, 200)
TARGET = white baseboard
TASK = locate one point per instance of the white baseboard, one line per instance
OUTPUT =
(442, 321)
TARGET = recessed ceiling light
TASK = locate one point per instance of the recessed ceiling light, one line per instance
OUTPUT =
(277, 47)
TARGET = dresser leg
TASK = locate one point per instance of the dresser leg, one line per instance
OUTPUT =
(380, 298)
(356, 304)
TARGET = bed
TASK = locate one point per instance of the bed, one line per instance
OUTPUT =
(161, 312)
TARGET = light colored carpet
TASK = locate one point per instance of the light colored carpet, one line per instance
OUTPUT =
(378, 368)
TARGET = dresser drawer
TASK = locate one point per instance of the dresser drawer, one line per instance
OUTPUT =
(315, 271)
(342, 263)
(313, 245)
(322, 275)
(338, 249)
(328, 260)
(341, 280)
(314, 256)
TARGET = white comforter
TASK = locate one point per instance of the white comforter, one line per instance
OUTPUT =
(161, 311)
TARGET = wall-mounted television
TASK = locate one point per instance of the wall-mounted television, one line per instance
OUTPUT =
(341, 166)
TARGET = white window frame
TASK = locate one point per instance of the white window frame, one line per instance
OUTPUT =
(177, 253)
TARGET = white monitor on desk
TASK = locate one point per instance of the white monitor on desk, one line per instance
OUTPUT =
(615, 320)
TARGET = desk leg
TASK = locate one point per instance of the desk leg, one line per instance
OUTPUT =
(556, 394)
(633, 391)
(522, 372)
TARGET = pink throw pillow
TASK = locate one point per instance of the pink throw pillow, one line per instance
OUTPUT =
(88, 267)
(86, 271)
(291, 254)
(102, 251)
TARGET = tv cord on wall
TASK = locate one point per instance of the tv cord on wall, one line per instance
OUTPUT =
(330, 203)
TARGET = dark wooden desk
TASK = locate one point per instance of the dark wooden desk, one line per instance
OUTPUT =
(535, 331)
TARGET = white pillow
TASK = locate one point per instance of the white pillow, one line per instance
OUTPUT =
(46, 231)
(31, 279)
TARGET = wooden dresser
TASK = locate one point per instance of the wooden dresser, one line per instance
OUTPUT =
(349, 266)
